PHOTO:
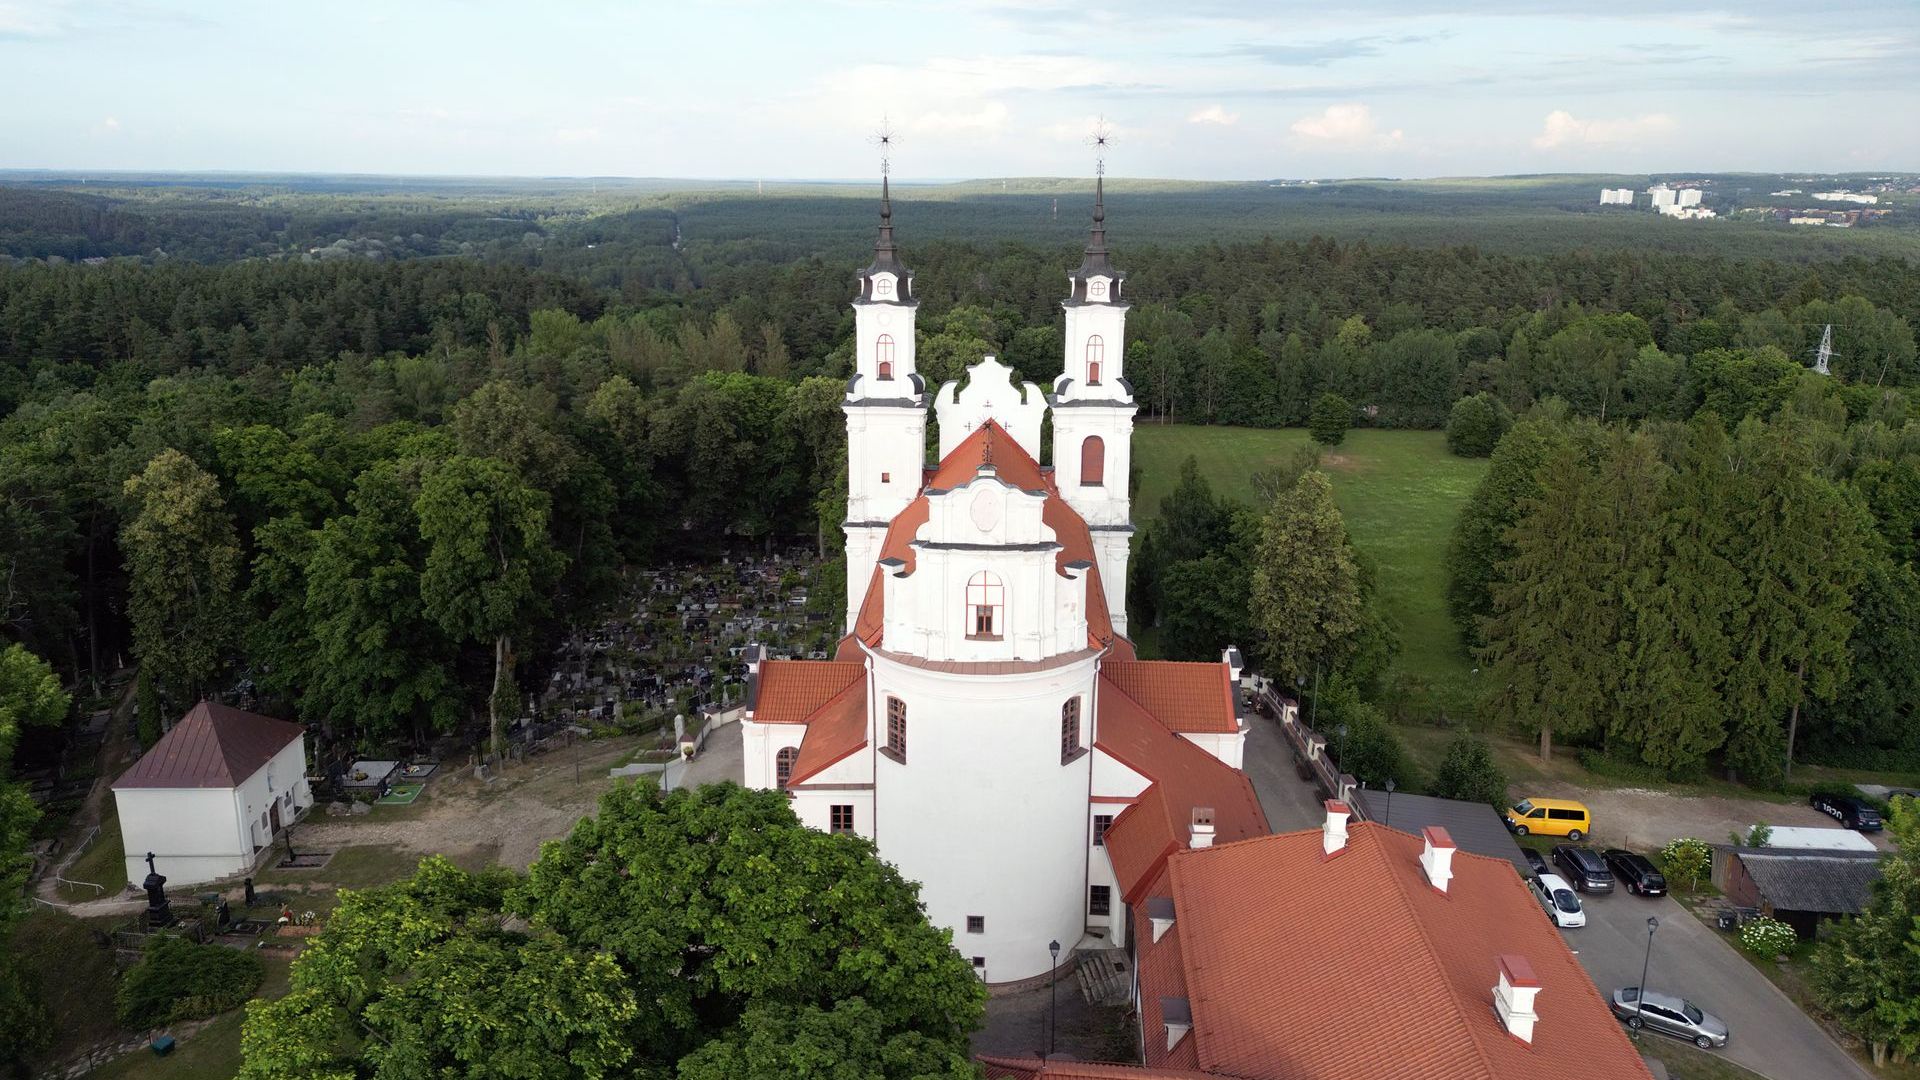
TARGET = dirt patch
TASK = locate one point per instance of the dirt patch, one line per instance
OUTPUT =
(1339, 461)
(1645, 819)
(503, 821)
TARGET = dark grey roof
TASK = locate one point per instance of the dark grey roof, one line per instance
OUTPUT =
(1835, 882)
(1095, 262)
(886, 257)
(1473, 826)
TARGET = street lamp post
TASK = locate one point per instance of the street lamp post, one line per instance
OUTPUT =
(1640, 999)
(1390, 787)
(1053, 998)
(1341, 758)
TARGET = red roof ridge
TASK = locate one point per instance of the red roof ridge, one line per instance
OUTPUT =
(835, 744)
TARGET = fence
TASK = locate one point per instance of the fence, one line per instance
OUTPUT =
(1309, 747)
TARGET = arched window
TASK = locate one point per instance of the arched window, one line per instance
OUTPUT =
(1096, 356)
(883, 352)
(985, 600)
(897, 729)
(1069, 730)
(783, 766)
(1093, 461)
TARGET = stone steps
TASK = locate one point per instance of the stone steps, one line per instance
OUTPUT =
(1105, 976)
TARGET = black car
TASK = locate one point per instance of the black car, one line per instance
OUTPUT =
(1584, 867)
(1635, 872)
(1535, 861)
(1848, 810)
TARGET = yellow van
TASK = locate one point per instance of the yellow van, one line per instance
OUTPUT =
(1550, 817)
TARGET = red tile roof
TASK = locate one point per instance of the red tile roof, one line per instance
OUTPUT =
(991, 444)
(999, 1068)
(1408, 992)
(1191, 697)
(835, 730)
(213, 746)
(1182, 777)
(791, 690)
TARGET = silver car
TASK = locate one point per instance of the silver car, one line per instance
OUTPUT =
(1669, 1015)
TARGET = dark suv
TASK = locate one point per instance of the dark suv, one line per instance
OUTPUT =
(1848, 810)
(1584, 867)
(1635, 871)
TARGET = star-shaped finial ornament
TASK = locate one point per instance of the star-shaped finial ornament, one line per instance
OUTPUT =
(884, 139)
(1101, 138)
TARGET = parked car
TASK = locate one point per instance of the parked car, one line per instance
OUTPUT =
(1536, 861)
(1550, 817)
(1557, 899)
(1848, 811)
(1669, 1015)
(1584, 867)
(1635, 871)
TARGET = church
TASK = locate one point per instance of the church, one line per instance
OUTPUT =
(985, 721)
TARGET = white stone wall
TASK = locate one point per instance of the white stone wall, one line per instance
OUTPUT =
(983, 814)
(759, 743)
(990, 394)
(1229, 748)
(987, 526)
(870, 321)
(1109, 323)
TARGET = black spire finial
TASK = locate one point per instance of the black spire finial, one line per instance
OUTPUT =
(1096, 263)
(886, 257)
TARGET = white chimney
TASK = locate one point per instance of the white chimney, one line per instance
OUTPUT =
(1513, 997)
(1160, 914)
(1437, 859)
(1333, 835)
(1200, 835)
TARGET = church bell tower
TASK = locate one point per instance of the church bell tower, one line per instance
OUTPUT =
(885, 406)
(1093, 409)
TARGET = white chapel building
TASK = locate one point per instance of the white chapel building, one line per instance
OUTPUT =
(985, 721)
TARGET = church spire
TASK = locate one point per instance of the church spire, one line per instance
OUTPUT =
(1096, 281)
(886, 256)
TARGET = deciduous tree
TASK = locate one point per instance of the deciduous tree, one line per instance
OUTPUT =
(1305, 601)
(184, 564)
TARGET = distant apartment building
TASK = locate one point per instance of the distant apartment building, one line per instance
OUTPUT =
(1616, 196)
(1685, 212)
(1846, 196)
(1662, 195)
(1687, 197)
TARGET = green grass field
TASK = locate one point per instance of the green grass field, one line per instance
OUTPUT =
(1400, 492)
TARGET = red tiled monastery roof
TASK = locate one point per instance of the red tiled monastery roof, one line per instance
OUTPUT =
(1409, 970)
(213, 746)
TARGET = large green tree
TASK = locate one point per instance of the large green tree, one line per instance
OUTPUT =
(489, 563)
(1866, 972)
(1306, 601)
(30, 697)
(184, 565)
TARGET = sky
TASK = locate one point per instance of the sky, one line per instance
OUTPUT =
(1193, 89)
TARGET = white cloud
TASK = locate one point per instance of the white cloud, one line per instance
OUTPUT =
(1348, 124)
(566, 136)
(110, 125)
(990, 118)
(1214, 114)
(32, 20)
(1562, 128)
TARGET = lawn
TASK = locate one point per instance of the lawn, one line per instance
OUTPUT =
(1400, 491)
(102, 863)
(213, 1052)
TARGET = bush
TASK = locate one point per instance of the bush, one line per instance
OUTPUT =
(146, 710)
(1370, 751)
(1332, 415)
(1468, 772)
(1687, 858)
(178, 980)
(1476, 423)
(1768, 937)
(1613, 768)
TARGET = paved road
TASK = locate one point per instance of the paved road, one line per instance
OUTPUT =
(1771, 1035)
(1290, 802)
(721, 761)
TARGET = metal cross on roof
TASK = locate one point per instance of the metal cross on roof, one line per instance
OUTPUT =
(1101, 138)
(884, 139)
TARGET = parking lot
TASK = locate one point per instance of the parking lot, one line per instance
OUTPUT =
(1771, 1035)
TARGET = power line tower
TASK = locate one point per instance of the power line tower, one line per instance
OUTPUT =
(1825, 352)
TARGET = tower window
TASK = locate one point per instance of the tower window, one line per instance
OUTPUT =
(840, 818)
(1093, 461)
(976, 924)
(980, 963)
(1070, 730)
(882, 287)
(1101, 823)
(897, 729)
(1097, 289)
(886, 478)
(783, 766)
(1096, 358)
(1100, 900)
(883, 355)
(985, 599)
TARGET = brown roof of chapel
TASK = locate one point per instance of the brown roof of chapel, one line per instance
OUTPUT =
(213, 746)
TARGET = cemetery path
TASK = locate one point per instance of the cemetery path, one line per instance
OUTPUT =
(517, 810)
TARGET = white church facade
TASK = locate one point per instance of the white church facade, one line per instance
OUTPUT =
(985, 721)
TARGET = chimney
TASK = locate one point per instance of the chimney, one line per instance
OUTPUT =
(1437, 859)
(1513, 997)
(1231, 657)
(1160, 914)
(1200, 834)
(1333, 835)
